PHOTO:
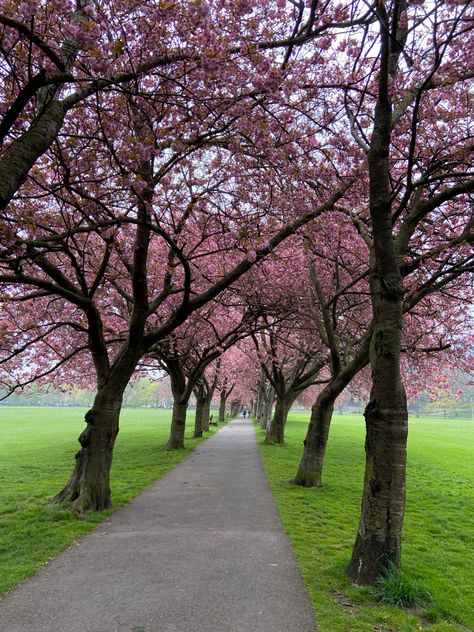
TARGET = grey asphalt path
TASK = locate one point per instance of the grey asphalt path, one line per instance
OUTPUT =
(201, 551)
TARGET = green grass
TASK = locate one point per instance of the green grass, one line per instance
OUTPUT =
(395, 588)
(438, 534)
(37, 447)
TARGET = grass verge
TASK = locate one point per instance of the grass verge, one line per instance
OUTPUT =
(438, 533)
(37, 447)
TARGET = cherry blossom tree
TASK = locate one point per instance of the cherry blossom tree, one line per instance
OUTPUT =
(289, 349)
(204, 392)
(164, 206)
(403, 77)
(237, 372)
(187, 355)
(152, 155)
(408, 185)
(292, 367)
(337, 278)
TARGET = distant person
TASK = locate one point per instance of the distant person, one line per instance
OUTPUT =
(245, 411)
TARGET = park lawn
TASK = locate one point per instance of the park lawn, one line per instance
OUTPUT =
(37, 447)
(438, 534)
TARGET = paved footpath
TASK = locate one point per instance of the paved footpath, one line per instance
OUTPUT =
(201, 551)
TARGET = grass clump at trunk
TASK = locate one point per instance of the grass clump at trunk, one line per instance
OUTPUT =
(393, 587)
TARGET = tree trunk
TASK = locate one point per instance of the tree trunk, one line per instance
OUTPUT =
(178, 425)
(267, 407)
(310, 470)
(198, 417)
(259, 407)
(234, 408)
(276, 429)
(222, 404)
(262, 416)
(261, 392)
(89, 485)
(25, 151)
(181, 393)
(378, 540)
(206, 413)
(311, 465)
(253, 408)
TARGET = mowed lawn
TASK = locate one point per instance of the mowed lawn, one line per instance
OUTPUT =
(438, 543)
(37, 447)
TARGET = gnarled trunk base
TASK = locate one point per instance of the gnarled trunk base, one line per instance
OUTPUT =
(88, 489)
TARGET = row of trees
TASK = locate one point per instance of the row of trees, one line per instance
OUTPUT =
(177, 179)
(454, 399)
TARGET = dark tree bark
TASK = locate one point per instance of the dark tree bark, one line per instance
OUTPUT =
(206, 413)
(198, 419)
(25, 151)
(178, 426)
(235, 407)
(378, 540)
(383, 503)
(224, 396)
(209, 390)
(276, 428)
(181, 393)
(311, 465)
(253, 407)
(310, 469)
(222, 404)
(285, 383)
(89, 485)
(259, 413)
(268, 406)
(260, 399)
